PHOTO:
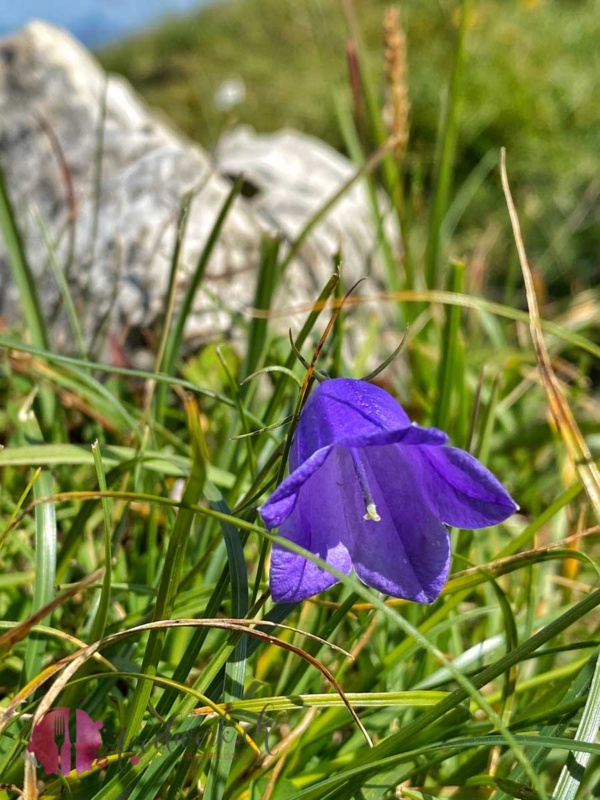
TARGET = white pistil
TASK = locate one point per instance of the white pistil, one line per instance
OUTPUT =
(361, 474)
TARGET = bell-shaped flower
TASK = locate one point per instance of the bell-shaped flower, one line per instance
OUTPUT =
(372, 491)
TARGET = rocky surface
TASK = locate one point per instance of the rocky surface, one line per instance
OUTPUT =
(97, 180)
(289, 176)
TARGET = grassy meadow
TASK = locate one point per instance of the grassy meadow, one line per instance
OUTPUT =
(133, 561)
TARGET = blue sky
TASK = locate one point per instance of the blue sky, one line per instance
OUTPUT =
(93, 21)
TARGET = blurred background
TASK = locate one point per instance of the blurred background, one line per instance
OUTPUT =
(93, 22)
(530, 84)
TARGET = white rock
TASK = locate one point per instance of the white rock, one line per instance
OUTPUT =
(291, 176)
(115, 244)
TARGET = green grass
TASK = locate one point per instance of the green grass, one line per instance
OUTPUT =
(133, 563)
(529, 86)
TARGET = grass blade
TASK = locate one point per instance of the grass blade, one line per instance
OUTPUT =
(448, 375)
(443, 178)
(99, 626)
(45, 549)
(266, 283)
(571, 775)
(25, 283)
(235, 668)
(171, 574)
(561, 412)
(175, 339)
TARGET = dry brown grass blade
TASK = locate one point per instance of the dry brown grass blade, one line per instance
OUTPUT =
(82, 656)
(30, 790)
(71, 663)
(561, 412)
(20, 631)
(280, 753)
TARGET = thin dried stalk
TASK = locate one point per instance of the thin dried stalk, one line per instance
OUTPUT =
(576, 446)
(397, 105)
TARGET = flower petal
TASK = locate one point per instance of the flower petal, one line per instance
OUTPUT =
(407, 553)
(411, 435)
(354, 413)
(317, 523)
(281, 503)
(461, 490)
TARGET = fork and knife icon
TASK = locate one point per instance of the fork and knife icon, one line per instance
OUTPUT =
(63, 742)
(52, 746)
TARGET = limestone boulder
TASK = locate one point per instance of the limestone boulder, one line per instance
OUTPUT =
(289, 176)
(97, 181)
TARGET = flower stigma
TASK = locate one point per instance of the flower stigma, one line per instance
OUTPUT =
(361, 474)
(372, 513)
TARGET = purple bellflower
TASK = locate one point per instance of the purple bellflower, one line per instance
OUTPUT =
(370, 490)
